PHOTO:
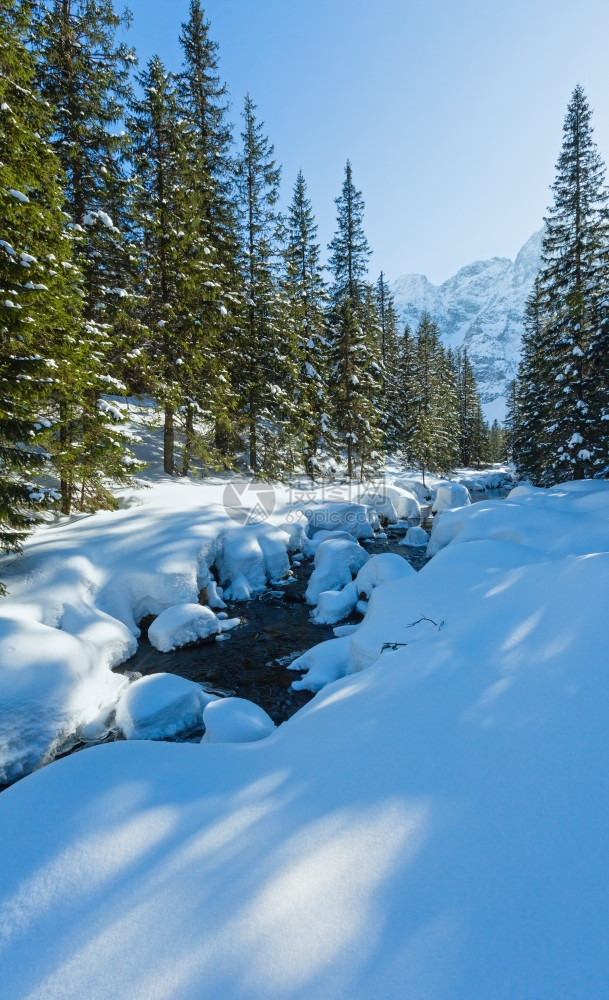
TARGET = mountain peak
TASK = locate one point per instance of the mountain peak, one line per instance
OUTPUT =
(482, 308)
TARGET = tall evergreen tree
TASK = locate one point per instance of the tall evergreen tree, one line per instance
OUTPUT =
(354, 340)
(434, 439)
(181, 304)
(264, 374)
(203, 103)
(306, 294)
(573, 283)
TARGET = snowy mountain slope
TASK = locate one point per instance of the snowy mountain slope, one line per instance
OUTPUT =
(482, 308)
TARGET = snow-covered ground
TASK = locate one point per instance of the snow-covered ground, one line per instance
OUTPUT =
(433, 824)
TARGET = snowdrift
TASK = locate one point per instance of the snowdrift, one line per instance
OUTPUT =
(433, 824)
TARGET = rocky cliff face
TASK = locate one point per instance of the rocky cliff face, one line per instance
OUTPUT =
(481, 307)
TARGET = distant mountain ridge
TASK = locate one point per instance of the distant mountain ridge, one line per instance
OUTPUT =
(482, 308)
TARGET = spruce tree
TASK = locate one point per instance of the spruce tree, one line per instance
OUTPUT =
(388, 332)
(203, 103)
(265, 363)
(573, 283)
(354, 340)
(306, 295)
(38, 293)
(181, 304)
(434, 439)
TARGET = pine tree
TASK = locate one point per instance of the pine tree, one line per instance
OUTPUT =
(179, 294)
(401, 416)
(85, 76)
(354, 341)
(496, 442)
(203, 103)
(434, 440)
(573, 283)
(264, 372)
(38, 294)
(388, 331)
(473, 434)
(306, 294)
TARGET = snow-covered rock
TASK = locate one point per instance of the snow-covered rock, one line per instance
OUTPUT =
(381, 569)
(324, 663)
(181, 624)
(450, 495)
(354, 518)
(337, 560)
(235, 720)
(160, 706)
(334, 605)
(417, 537)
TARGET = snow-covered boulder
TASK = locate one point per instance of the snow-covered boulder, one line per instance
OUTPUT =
(381, 569)
(337, 560)
(51, 683)
(181, 624)
(416, 537)
(235, 720)
(354, 518)
(161, 706)
(249, 556)
(334, 605)
(311, 545)
(391, 502)
(324, 663)
(450, 495)
(414, 486)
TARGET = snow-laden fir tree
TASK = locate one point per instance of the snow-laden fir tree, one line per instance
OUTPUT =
(356, 367)
(203, 103)
(388, 333)
(434, 439)
(401, 418)
(305, 292)
(572, 292)
(38, 295)
(473, 434)
(84, 74)
(181, 304)
(266, 366)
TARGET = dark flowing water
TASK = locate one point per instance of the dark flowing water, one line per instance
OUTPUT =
(250, 660)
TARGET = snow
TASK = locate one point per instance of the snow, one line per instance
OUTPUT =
(235, 720)
(432, 824)
(336, 561)
(334, 605)
(324, 663)
(450, 495)
(183, 623)
(383, 568)
(82, 585)
(354, 518)
(416, 536)
(160, 705)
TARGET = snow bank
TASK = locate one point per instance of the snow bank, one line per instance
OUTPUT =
(334, 605)
(433, 825)
(324, 663)
(381, 569)
(82, 585)
(160, 706)
(181, 624)
(235, 720)
(354, 518)
(51, 683)
(450, 495)
(337, 560)
(416, 537)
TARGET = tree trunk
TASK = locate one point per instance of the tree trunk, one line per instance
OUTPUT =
(189, 441)
(168, 442)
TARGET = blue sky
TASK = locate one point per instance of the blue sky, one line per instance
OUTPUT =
(450, 111)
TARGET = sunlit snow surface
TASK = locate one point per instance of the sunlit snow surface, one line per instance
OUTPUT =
(433, 824)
